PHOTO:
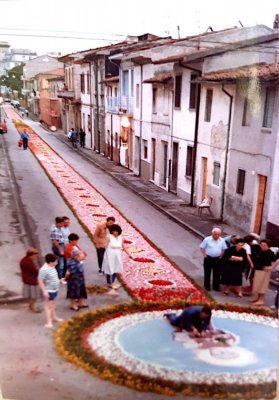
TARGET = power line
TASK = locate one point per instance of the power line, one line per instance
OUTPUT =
(194, 42)
(58, 37)
(75, 32)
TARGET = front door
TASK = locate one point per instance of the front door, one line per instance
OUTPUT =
(174, 169)
(153, 159)
(165, 163)
(204, 178)
(260, 203)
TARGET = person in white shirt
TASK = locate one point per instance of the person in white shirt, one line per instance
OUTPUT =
(212, 249)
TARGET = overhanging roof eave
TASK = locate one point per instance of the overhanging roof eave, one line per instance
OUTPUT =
(212, 81)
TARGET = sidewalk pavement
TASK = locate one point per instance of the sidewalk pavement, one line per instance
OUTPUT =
(166, 202)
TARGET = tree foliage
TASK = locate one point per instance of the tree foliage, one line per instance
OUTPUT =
(12, 79)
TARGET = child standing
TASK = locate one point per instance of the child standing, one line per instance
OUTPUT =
(49, 284)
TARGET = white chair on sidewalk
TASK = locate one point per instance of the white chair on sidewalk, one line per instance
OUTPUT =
(205, 205)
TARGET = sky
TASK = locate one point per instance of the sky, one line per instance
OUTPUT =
(25, 23)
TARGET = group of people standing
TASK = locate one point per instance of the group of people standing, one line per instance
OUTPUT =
(65, 265)
(75, 136)
(229, 260)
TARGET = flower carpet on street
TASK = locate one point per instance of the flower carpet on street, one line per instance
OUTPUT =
(148, 274)
(133, 345)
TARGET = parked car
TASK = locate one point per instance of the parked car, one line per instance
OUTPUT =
(15, 103)
(3, 127)
(7, 100)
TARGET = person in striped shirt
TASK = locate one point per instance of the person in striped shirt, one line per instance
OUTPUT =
(49, 284)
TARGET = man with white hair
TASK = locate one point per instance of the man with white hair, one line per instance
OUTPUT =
(212, 249)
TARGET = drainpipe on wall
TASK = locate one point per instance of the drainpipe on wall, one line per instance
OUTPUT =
(141, 100)
(196, 135)
(111, 136)
(226, 153)
(171, 142)
(96, 128)
(91, 105)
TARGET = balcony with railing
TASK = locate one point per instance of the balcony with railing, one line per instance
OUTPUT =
(65, 93)
(123, 104)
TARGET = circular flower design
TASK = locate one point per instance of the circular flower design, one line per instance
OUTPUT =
(99, 342)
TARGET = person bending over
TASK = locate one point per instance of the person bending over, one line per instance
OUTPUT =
(194, 319)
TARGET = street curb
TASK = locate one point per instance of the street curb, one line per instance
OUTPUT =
(127, 186)
(12, 300)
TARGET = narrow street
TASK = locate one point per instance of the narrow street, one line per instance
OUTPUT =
(31, 365)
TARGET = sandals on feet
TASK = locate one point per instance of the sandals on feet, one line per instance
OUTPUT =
(74, 308)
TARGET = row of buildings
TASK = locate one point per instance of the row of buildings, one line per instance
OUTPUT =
(196, 116)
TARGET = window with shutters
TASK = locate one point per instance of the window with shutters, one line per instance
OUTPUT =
(193, 92)
(82, 83)
(154, 100)
(88, 123)
(246, 117)
(177, 94)
(137, 95)
(88, 83)
(216, 173)
(208, 105)
(189, 161)
(240, 181)
(145, 149)
(269, 107)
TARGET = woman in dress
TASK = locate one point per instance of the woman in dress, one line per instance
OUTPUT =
(76, 290)
(113, 263)
(234, 262)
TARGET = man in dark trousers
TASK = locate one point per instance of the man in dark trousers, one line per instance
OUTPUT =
(82, 138)
(73, 138)
(194, 319)
(101, 239)
(212, 249)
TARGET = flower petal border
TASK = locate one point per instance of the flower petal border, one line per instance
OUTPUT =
(71, 343)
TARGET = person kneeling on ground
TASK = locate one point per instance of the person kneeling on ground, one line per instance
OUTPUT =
(194, 319)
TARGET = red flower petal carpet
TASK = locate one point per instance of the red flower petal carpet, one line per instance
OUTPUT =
(148, 274)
